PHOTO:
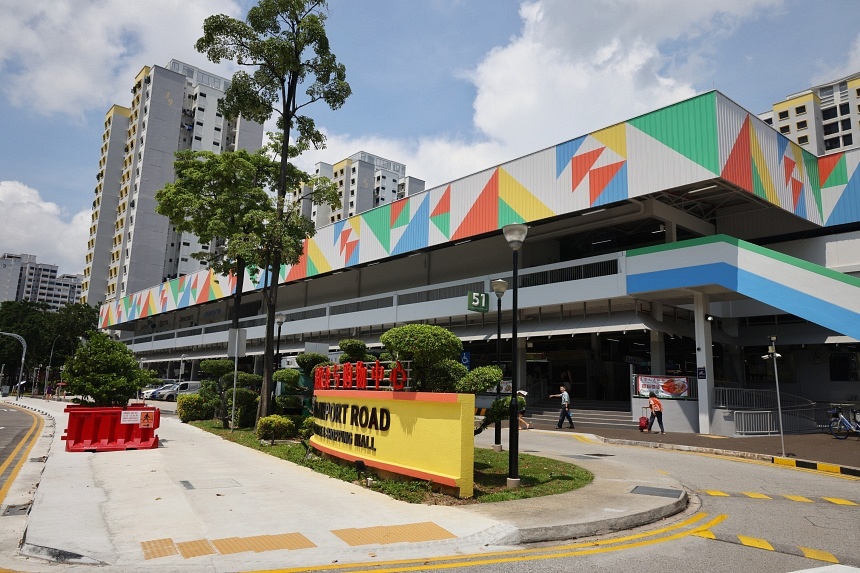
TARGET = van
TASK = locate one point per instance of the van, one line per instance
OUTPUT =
(189, 387)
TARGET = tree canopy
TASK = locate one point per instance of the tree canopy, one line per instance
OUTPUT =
(284, 46)
(105, 372)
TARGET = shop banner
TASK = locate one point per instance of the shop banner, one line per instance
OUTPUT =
(663, 386)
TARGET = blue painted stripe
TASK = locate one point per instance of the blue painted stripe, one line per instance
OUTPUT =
(722, 274)
(806, 306)
(785, 298)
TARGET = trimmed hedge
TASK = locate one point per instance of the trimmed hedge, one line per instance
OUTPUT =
(190, 407)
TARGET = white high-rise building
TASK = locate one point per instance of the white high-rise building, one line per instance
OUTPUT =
(823, 118)
(173, 108)
(365, 181)
(23, 279)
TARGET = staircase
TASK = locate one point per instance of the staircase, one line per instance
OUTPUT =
(586, 415)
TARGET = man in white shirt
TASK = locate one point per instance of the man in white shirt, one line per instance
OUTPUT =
(565, 407)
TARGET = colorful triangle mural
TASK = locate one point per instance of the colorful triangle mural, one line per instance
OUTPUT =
(581, 164)
(833, 170)
(517, 204)
(608, 184)
(738, 167)
(484, 214)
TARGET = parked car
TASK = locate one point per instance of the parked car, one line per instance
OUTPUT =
(148, 389)
(181, 388)
(153, 393)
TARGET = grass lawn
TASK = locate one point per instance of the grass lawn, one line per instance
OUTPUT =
(538, 476)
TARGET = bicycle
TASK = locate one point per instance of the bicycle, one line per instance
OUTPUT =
(840, 426)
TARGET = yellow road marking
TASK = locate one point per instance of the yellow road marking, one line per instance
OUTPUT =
(707, 534)
(716, 493)
(587, 548)
(838, 501)
(818, 554)
(756, 495)
(755, 542)
(783, 462)
(798, 498)
(29, 441)
(583, 439)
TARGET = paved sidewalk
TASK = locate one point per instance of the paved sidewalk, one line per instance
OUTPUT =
(201, 503)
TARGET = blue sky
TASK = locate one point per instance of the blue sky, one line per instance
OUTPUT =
(448, 87)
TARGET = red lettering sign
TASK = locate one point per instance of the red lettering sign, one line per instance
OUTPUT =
(360, 375)
(377, 374)
(347, 375)
(398, 376)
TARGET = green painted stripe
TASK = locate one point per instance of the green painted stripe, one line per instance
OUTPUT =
(777, 256)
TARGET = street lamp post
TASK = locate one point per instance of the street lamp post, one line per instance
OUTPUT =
(50, 361)
(499, 287)
(181, 367)
(515, 235)
(772, 353)
(279, 320)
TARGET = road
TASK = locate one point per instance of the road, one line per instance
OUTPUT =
(18, 431)
(745, 516)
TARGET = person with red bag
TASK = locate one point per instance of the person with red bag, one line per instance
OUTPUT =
(656, 412)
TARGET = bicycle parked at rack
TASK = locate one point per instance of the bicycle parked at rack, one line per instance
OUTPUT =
(841, 426)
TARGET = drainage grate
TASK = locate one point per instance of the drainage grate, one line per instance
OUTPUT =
(20, 509)
(186, 484)
(658, 491)
(41, 459)
(210, 483)
(601, 455)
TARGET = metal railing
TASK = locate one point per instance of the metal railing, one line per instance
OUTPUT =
(799, 419)
(746, 399)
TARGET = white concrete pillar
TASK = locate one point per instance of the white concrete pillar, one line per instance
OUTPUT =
(704, 361)
(658, 344)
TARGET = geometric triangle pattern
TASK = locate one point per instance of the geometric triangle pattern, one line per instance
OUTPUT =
(682, 145)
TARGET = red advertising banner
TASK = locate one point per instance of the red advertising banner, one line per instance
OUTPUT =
(663, 386)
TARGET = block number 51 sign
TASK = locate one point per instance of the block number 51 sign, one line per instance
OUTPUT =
(478, 302)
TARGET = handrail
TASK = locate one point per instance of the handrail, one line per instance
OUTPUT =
(748, 399)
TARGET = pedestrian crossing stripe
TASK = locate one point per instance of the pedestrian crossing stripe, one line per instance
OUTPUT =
(775, 497)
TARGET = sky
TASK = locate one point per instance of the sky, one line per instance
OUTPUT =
(447, 87)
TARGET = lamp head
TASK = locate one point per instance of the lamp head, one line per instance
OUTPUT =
(515, 234)
(280, 318)
(499, 286)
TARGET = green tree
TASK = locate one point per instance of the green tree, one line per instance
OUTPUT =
(221, 371)
(284, 44)
(105, 372)
(425, 345)
(44, 330)
(221, 196)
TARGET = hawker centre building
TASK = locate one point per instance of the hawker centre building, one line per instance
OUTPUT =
(677, 242)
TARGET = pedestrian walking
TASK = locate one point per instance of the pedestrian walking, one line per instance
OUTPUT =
(656, 412)
(521, 421)
(49, 392)
(565, 407)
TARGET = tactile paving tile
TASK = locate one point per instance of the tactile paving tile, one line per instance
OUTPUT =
(259, 543)
(384, 534)
(195, 548)
(158, 548)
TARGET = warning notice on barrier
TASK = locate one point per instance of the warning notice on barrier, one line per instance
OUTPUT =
(130, 417)
(147, 419)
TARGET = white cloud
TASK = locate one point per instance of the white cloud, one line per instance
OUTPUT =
(73, 56)
(574, 67)
(842, 69)
(36, 227)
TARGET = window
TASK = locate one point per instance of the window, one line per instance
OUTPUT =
(829, 113)
(801, 125)
(201, 109)
(202, 94)
(831, 128)
(846, 124)
(769, 121)
(217, 128)
(785, 129)
(847, 139)
(843, 109)
(803, 139)
(800, 110)
(783, 115)
(832, 143)
(197, 138)
(200, 123)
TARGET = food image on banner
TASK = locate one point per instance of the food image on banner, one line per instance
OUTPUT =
(663, 386)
